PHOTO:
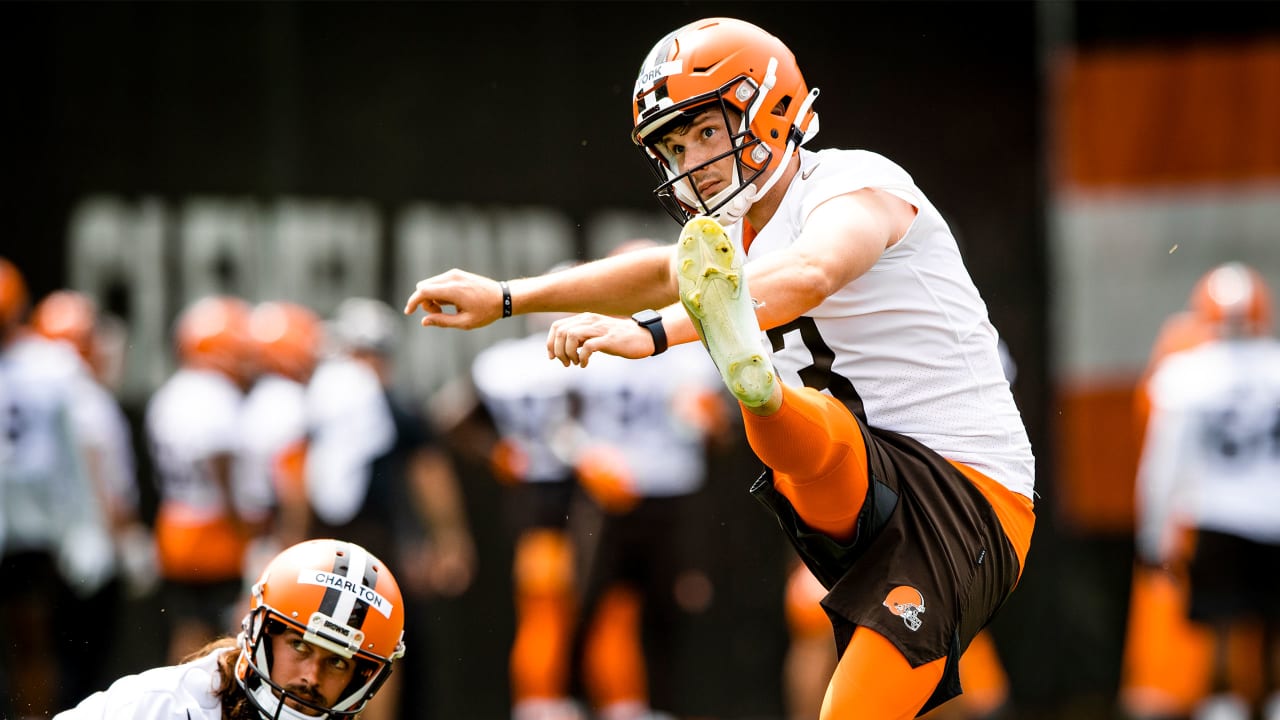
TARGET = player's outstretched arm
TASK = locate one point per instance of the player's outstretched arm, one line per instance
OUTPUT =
(618, 285)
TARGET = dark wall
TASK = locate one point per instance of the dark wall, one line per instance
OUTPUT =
(527, 103)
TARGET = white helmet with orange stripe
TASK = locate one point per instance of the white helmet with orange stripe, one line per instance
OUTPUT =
(340, 598)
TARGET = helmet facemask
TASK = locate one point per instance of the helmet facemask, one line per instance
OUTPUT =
(253, 670)
(337, 598)
(723, 64)
(677, 193)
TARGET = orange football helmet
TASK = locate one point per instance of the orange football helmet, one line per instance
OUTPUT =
(732, 65)
(1235, 299)
(213, 334)
(13, 295)
(288, 338)
(69, 316)
(342, 599)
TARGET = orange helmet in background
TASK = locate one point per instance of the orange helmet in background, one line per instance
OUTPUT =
(213, 334)
(69, 316)
(288, 338)
(13, 295)
(1234, 299)
(341, 598)
(734, 66)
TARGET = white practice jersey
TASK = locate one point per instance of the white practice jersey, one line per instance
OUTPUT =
(44, 490)
(176, 692)
(273, 419)
(101, 425)
(350, 425)
(1211, 457)
(192, 418)
(635, 406)
(527, 396)
(911, 336)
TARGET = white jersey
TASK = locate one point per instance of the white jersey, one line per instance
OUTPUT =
(44, 491)
(1211, 457)
(635, 406)
(175, 692)
(273, 419)
(910, 336)
(350, 426)
(527, 396)
(192, 418)
(101, 425)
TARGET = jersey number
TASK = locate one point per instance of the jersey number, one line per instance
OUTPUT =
(818, 374)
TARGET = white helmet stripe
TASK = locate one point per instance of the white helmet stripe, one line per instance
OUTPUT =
(349, 566)
(357, 560)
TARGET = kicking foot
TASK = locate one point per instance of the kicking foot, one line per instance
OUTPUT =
(713, 289)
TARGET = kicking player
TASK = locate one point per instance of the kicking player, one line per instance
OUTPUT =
(896, 459)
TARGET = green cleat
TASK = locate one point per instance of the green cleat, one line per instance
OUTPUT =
(713, 289)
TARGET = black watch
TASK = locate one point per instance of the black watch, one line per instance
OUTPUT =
(651, 320)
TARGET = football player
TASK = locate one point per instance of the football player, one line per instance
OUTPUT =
(1211, 461)
(206, 518)
(896, 459)
(325, 624)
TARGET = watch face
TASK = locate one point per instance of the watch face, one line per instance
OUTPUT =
(644, 317)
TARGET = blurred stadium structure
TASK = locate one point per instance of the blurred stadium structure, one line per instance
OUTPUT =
(1095, 158)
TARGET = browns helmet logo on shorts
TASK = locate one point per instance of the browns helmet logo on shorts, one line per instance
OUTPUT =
(907, 603)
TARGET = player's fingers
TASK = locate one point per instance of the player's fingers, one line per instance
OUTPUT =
(585, 350)
(438, 318)
(555, 343)
(424, 296)
(576, 331)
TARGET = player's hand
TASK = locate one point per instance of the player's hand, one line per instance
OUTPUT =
(476, 300)
(574, 339)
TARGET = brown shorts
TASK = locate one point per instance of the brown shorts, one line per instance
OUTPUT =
(1234, 578)
(929, 566)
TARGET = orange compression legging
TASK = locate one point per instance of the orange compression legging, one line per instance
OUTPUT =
(819, 462)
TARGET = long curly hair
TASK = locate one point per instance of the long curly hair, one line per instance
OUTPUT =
(235, 704)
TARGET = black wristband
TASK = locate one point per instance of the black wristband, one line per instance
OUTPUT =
(506, 298)
(651, 320)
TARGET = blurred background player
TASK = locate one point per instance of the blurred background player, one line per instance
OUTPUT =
(1167, 658)
(1212, 461)
(641, 456)
(376, 473)
(286, 340)
(519, 420)
(52, 538)
(104, 436)
(206, 517)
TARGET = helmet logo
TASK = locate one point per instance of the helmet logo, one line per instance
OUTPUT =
(364, 593)
(907, 603)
